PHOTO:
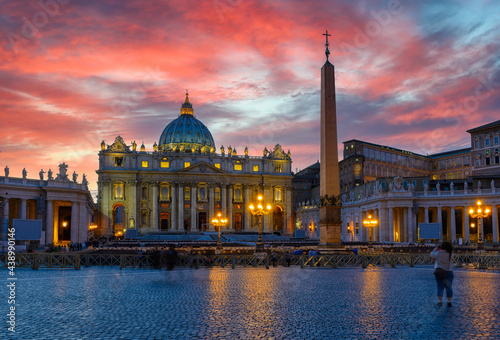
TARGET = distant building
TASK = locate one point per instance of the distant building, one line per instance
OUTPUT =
(64, 206)
(183, 183)
(400, 189)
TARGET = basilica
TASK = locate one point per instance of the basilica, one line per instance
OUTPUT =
(183, 183)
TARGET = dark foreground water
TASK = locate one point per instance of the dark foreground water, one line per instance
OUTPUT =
(251, 303)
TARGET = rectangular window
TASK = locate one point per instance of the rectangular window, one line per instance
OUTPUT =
(497, 159)
(217, 165)
(165, 164)
(119, 162)
(277, 167)
(255, 168)
(496, 139)
(476, 143)
(357, 228)
(476, 162)
(144, 164)
(487, 161)
(487, 142)
(187, 164)
(238, 167)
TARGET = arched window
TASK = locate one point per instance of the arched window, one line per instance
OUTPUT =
(217, 194)
(144, 192)
(187, 193)
(237, 194)
(202, 193)
(118, 190)
(278, 194)
(164, 192)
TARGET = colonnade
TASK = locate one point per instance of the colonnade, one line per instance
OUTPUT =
(399, 223)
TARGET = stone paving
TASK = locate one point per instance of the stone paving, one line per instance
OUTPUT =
(250, 303)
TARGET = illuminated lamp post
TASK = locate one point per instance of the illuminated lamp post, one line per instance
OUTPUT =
(479, 213)
(370, 223)
(259, 210)
(219, 222)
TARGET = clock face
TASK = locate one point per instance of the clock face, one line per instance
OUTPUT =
(466, 173)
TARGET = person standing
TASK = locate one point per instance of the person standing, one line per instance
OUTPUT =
(443, 271)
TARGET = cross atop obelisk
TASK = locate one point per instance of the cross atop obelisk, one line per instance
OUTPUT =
(327, 51)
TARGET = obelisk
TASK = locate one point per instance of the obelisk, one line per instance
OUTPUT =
(329, 212)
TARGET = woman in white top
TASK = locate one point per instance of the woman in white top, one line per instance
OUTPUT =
(442, 255)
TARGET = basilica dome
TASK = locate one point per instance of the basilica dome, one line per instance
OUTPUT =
(186, 133)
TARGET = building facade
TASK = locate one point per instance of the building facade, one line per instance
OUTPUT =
(401, 189)
(183, 183)
(64, 206)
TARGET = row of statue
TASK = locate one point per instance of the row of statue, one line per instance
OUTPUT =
(62, 175)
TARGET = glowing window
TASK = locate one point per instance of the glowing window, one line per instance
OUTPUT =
(165, 164)
(238, 167)
(277, 167)
(187, 194)
(164, 193)
(255, 168)
(217, 194)
(217, 165)
(144, 164)
(278, 194)
(187, 164)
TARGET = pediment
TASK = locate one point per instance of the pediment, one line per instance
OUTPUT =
(203, 168)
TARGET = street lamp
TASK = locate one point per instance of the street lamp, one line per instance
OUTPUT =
(370, 223)
(259, 210)
(219, 222)
(479, 213)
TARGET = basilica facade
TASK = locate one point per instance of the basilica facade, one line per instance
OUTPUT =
(183, 183)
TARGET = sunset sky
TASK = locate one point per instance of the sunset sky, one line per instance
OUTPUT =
(410, 74)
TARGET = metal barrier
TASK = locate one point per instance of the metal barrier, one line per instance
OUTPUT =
(49, 260)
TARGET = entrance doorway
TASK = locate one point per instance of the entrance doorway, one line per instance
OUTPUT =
(164, 221)
(118, 218)
(277, 219)
(64, 230)
(202, 221)
(237, 221)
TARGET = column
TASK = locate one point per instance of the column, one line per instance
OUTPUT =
(5, 219)
(106, 215)
(154, 220)
(223, 199)
(289, 208)
(180, 207)
(211, 207)
(494, 222)
(23, 209)
(377, 227)
(466, 224)
(267, 219)
(360, 225)
(133, 204)
(391, 224)
(173, 205)
(381, 224)
(453, 225)
(74, 221)
(411, 228)
(426, 215)
(406, 226)
(193, 206)
(83, 231)
(248, 216)
(440, 218)
(230, 225)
